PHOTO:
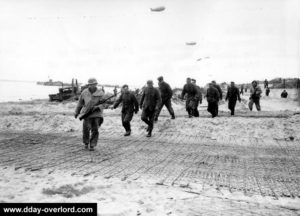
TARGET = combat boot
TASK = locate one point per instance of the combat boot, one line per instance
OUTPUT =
(92, 148)
(173, 116)
(149, 133)
(127, 133)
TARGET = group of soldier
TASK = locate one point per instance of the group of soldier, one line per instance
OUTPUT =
(151, 103)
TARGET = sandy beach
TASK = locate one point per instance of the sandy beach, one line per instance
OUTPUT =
(247, 164)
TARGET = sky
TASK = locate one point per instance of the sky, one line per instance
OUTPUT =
(120, 42)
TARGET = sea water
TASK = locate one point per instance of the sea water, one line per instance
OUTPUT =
(24, 91)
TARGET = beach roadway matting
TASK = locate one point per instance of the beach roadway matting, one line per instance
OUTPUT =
(250, 165)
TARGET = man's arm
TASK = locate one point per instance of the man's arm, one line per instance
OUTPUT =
(258, 91)
(217, 94)
(227, 95)
(157, 99)
(238, 94)
(183, 92)
(142, 99)
(170, 92)
(136, 103)
(79, 106)
(220, 92)
(118, 101)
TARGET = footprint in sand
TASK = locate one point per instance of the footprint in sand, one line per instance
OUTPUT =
(67, 191)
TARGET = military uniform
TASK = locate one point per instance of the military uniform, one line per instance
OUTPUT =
(232, 95)
(255, 93)
(213, 97)
(92, 122)
(166, 96)
(149, 103)
(129, 106)
(198, 99)
(220, 94)
(191, 91)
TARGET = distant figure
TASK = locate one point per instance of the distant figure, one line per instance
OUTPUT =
(232, 95)
(191, 92)
(130, 105)
(212, 97)
(89, 97)
(115, 91)
(266, 83)
(267, 91)
(255, 93)
(284, 94)
(197, 99)
(242, 89)
(166, 96)
(149, 104)
(103, 89)
(298, 83)
(220, 92)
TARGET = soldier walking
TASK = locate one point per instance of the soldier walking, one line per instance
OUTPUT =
(88, 100)
(232, 95)
(212, 97)
(166, 96)
(130, 105)
(220, 93)
(242, 89)
(191, 92)
(267, 91)
(255, 92)
(149, 104)
(198, 98)
(266, 83)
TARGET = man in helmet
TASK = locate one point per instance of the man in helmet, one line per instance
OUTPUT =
(197, 99)
(89, 99)
(130, 105)
(220, 93)
(232, 95)
(149, 104)
(166, 96)
(212, 96)
(191, 91)
(255, 93)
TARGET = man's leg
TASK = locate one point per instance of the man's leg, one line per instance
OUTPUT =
(95, 124)
(209, 107)
(257, 104)
(215, 109)
(123, 122)
(168, 104)
(195, 108)
(159, 110)
(151, 115)
(189, 107)
(232, 104)
(127, 118)
(144, 117)
(86, 126)
(250, 104)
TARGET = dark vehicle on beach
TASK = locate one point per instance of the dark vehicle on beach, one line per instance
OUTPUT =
(65, 93)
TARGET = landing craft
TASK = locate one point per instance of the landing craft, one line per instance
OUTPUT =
(158, 9)
(190, 43)
(199, 59)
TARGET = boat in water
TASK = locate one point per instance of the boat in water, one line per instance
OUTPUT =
(54, 83)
